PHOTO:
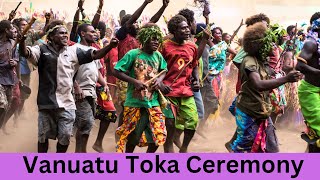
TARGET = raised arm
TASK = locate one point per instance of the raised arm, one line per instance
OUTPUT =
(23, 51)
(73, 33)
(48, 16)
(203, 43)
(31, 54)
(96, 17)
(158, 15)
(135, 16)
(12, 15)
(104, 51)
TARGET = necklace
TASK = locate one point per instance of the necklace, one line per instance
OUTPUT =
(314, 35)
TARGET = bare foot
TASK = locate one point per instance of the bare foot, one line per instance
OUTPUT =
(183, 150)
(97, 148)
(228, 146)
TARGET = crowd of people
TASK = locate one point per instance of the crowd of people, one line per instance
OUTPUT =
(159, 86)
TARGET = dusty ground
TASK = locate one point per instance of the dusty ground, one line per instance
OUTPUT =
(24, 137)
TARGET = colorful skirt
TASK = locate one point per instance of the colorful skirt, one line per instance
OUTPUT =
(153, 125)
(105, 110)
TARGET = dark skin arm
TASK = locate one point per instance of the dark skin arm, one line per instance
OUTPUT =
(287, 59)
(43, 31)
(203, 43)
(309, 48)
(23, 48)
(266, 85)
(73, 33)
(104, 51)
(124, 77)
(12, 15)
(195, 76)
(158, 84)
(78, 91)
(137, 13)
(96, 17)
(206, 16)
(158, 15)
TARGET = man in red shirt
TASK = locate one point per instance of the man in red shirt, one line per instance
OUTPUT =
(182, 58)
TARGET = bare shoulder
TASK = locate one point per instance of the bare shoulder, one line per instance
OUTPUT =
(310, 46)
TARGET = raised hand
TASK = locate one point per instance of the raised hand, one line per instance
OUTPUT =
(12, 15)
(80, 4)
(165, 2)
(148, 1)
(101, 3)
(48, 15)
(242, 23)
(114, 42)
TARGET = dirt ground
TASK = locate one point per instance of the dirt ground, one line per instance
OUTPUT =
(24, 137)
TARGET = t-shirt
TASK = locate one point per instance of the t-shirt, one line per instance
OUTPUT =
(240, 56)
(177, 57)
(141, 66)
(126, 42)
(56, 71)
(87, 75)
(218, 57)
(7, 73)
(112, 57)
(251, 101)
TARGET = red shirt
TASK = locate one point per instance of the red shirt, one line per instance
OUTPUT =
(112, 57)
(177, 57)
(126, 45)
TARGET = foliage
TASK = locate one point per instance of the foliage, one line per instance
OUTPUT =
(147, 33)
(272, 36)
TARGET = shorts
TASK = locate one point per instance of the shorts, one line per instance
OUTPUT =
(5, 96)
(85, 115)
(56, 124)
(247, 129)
(186, 112)
(199, 102)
